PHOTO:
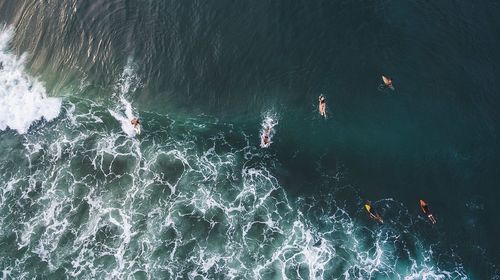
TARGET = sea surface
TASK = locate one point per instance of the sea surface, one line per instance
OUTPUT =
(195, 196)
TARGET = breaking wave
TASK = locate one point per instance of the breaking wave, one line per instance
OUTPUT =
(23, 99)
(193, 198)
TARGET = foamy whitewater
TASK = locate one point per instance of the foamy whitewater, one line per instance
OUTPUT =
(193, 198)
(23, 99)
(124, 113)
(267, 126)
(126, 118)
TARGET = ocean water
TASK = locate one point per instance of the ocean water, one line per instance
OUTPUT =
(195, 196)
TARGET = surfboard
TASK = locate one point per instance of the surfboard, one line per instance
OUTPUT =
(387, 82)
(262, 143)
(267, 128)
(374, 216)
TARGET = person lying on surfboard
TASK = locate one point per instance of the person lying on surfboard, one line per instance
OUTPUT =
(136, 123)
(322, 106)
(387, 82)
(373, 214)
(425, 209)
(265, 137)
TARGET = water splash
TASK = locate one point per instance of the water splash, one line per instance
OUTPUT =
(23, 99)
(127, 83)
(267, 129)
(125, 120)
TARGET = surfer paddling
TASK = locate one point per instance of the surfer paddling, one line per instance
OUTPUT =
(265, 137)
(387, 82)
(425, 209)
(373, 214)
(136, 123)
(322, 106)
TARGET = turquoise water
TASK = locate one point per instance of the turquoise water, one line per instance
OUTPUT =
(194, 196)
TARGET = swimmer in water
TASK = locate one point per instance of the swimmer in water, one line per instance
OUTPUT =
(425, 209)
(387, 82)
(373, 214)
(322, 106)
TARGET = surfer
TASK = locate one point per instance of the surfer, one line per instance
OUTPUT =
(322, 106)
(1, 65)
(387, 82)
(425, 209)
(373, 214)
(135, 122)
(137, 125)
(265, 137)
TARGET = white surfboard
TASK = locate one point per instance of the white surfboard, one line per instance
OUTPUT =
(387, 82)
(267, 125)
(264, 144)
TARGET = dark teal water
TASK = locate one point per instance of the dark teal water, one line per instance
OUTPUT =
(194, 196)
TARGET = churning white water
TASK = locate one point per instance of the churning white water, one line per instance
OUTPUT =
(23, 98)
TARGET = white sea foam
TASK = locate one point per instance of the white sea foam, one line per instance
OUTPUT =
(124, 115)
(222, 214)
(125, 121)
(23, 99)
(127, 83)
(267, 126)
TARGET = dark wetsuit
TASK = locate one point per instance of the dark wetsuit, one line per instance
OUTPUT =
(426, 210)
